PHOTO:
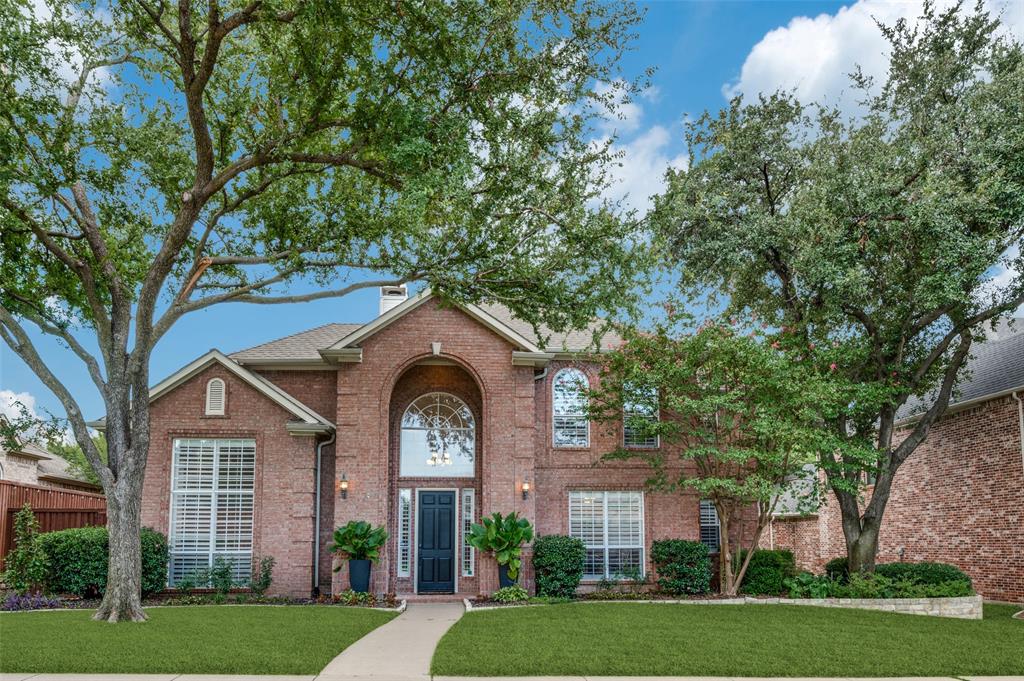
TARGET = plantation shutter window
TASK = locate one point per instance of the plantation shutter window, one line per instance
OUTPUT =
(468, 511)
(710, 530)
(404, 532)
(645, 408)
(611, 526)
(569, 409)
(212, 506)
(215, 397)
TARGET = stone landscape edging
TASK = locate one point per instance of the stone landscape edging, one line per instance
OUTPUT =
(962, 607)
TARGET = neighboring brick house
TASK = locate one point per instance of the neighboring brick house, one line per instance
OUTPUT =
(32, 465)
(421, 420)
(959, 498)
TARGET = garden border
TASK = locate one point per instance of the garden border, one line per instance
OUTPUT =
(961, 607)
(400, 608)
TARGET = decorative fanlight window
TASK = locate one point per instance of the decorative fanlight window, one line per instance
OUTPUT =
(438, 438)
(215, 397)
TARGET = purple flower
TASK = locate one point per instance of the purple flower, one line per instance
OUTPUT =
(36, 601)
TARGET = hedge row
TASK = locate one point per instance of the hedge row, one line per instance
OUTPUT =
(77, 561)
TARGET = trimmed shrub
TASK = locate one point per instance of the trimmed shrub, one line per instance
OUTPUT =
(768, 571)
(558, 565)
(838, 569)
(26, 564)
(923, 573)
(510, 594)
(684, 567)
(78, 560)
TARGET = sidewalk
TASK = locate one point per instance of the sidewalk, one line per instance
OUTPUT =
(202, 677)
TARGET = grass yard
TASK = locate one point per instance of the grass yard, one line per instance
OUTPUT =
(185, 640)
(616, 639)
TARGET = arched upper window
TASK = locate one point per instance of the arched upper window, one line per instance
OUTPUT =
(569, 409)
(215, 397)
(438, 438)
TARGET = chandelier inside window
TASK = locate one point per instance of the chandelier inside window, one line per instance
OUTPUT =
(445, 425)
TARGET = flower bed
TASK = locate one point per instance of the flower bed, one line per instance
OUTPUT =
(13, 602)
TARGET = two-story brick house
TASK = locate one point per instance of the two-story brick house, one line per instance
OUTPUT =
(421, 420)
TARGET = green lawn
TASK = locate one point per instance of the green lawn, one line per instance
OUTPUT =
(727, 640)
(185, 640)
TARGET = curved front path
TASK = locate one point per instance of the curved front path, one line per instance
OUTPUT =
(399, 650)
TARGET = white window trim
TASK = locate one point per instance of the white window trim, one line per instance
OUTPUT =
(405, 533)
(467, 554)
(604, 518)
(654, 417)
(701, 525)
(554, 416)
(214, 493)
(473, 429)
(213, 410)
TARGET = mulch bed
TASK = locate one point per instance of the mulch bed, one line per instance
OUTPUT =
(70, 602)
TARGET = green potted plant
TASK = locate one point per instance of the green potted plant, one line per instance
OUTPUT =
(503, 537)
(360, 542)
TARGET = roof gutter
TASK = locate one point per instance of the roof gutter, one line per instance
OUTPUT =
(960, 406)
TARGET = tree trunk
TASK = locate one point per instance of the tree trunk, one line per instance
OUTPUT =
(122, 600)
(861, 553)
(726, 577)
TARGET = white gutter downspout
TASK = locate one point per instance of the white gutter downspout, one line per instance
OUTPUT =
(1020, 419)
(316, 513)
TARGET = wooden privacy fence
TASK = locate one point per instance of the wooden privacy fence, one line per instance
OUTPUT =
(56, 509)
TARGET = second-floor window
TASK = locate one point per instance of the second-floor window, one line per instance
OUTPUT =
(634, 413)
(569, 409)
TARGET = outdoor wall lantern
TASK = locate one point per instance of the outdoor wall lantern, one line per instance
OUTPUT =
(343, 486)
(526, 488)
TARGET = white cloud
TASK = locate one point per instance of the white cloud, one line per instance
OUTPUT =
(814, 56)
(67, 56)
(10, 401)
(624, 115)
(639, 172)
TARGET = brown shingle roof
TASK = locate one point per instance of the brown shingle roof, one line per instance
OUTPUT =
(298, 347)
(572, 341)
(305, 346)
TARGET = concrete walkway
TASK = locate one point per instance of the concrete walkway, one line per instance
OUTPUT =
(203, 677)
(399, 650)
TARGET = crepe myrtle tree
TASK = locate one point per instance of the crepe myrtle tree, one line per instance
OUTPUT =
(728, 415)
(885, 240)
(160, 158)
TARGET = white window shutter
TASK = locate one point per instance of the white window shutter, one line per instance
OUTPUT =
(215, 397)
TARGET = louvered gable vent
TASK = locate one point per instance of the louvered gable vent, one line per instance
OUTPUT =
(215, 397)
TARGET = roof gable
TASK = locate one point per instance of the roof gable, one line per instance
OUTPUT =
(309, 420)
(498, 326)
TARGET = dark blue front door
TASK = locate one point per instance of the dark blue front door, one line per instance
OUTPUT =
(436, 542)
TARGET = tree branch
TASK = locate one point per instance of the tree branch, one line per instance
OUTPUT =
(16, 338)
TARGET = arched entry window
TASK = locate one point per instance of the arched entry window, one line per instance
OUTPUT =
(438, 438)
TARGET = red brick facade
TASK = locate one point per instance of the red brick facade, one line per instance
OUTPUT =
(958, 499)
(512, 410)
(436, 349)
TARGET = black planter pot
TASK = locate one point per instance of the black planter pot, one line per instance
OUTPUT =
(359, 575)
(503, 578)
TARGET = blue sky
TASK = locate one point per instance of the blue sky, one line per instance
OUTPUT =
(703, 51)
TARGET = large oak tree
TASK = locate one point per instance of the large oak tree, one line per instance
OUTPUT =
(870, 242)
(160, 158)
